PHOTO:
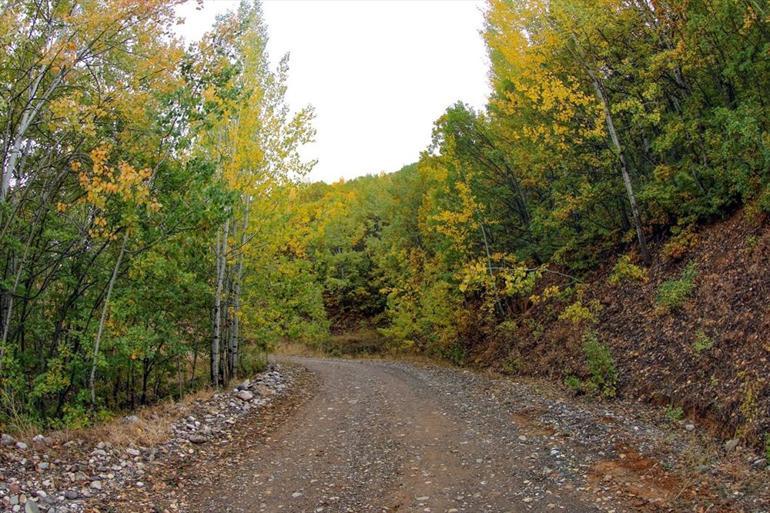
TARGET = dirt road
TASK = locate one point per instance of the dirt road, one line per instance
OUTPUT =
(382, 436)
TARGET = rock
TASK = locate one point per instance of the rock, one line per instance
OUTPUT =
(243, 386)
(133, 452)
(689, 427)
(264, 390)
(96, 485)
(759, 463)
(7, 440)
(197, 439)
(40, 439)
(31, 507)
(71, 495)
(730, 445)
(244, 395)
(21, 446)
(130, 419)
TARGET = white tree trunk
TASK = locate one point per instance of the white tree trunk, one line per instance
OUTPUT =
(221, 258)
(105, 308)
(235, 327)
(623, 167)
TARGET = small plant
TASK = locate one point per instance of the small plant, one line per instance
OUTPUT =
(577, 312)
(674, 413)
(679, 245)
(625, 271)
(601, 366)
(702, 342)
(767, 448)
(573, 383)
(511, 365)
(673, 293)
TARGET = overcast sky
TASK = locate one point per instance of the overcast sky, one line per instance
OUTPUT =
(378, 72)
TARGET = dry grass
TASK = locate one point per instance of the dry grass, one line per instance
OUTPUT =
(152, 427)
(287, 348)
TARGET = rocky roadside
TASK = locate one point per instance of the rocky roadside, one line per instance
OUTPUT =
(79, 475)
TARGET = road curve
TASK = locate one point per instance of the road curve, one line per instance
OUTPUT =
(380, 436)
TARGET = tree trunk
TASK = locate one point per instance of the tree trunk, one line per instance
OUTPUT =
(234, 329)
(221, 259)
(103, 318)
(623, 167)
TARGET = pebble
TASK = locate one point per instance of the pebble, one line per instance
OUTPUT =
(27, 470)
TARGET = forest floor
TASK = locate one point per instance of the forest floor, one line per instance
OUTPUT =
(376, 436)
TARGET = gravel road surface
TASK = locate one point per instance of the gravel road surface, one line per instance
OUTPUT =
(386, 436)
(379, 436)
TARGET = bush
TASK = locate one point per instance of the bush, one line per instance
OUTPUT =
(702, 342)
(574, 383)
(674, 413)
(252, 359)
(673, 293)
(767, 448)
(577, 312)
(601, 366)
(625, 270)
(679, 245)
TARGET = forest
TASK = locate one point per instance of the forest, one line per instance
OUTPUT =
(157, 233)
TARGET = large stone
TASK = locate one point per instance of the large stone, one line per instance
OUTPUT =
(264, 390)
(7, 440)
(730, 445)
(244, 395)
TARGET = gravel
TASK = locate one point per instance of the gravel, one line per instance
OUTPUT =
(376, 436)
(73, 476)
(385, 436)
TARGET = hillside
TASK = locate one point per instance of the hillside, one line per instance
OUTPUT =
(708, 356)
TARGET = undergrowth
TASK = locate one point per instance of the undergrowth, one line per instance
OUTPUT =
(673, 293)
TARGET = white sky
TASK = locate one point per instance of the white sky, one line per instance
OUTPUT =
(378, 72)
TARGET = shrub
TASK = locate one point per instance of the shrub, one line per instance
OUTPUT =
(577, 312)
(702, 342)
(252, 359)
(763, 202)
(673, 293)
(625, 270)
(601, 366)
(674, 413)
(767, 448)
(573, 383)
(679, 245)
